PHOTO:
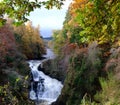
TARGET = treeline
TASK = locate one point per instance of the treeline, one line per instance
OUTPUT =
(29, 41)
(88, 47)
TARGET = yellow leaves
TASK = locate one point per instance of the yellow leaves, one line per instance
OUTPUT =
(104, 28)
(17, 79)
(102, 39)
(113, 9)
(115, 21)
(26, 77)
(109, 2)
(69, 34)
(6, 96)
(79, 3)
(103, 36)
(90, 5)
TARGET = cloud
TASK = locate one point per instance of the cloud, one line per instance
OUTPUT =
(49, 19)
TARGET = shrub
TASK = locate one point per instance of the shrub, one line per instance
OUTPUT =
(110, 93)
(6, 96)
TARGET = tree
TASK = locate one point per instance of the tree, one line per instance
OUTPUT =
(99, 21)
(7, 44)
(19, 9)
(58, 41)
(28, 36)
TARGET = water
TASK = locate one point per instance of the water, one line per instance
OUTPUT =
(49, 54)
(52, 87)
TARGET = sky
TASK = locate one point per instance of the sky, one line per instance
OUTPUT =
(49, 20)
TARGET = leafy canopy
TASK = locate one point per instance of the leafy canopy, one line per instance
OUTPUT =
(19, 9)
(99, 20)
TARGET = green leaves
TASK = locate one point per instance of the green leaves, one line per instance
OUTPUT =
(2, 22)
(99, 22)
(19, 9)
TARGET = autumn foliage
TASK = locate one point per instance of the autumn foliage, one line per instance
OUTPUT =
(91, 39)
(7, 43)
(29, 41)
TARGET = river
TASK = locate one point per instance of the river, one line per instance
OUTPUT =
(52, 87)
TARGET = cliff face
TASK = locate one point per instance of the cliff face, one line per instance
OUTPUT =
(53, 69)
(82, 76)
(86, 68)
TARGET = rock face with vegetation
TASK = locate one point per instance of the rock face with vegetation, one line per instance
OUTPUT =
(89, 80)
(52, 68)
(82, 76)
(90, 36)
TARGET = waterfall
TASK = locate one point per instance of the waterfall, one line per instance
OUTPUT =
(32, 93)
(49, 88)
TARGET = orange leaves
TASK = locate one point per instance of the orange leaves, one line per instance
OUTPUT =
(79, 3)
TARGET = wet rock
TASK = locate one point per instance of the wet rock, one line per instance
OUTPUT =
(50, 68)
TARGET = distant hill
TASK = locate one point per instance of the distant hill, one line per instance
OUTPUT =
(48, 38)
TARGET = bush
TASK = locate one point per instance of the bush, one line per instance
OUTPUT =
(6, 96)
(110, 93)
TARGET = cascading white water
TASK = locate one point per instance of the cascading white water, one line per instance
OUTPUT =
(52, 86)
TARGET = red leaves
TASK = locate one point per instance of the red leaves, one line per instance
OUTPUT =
(69, 48)
(7, 42)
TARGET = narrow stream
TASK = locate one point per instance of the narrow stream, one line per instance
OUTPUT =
(52, 87)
